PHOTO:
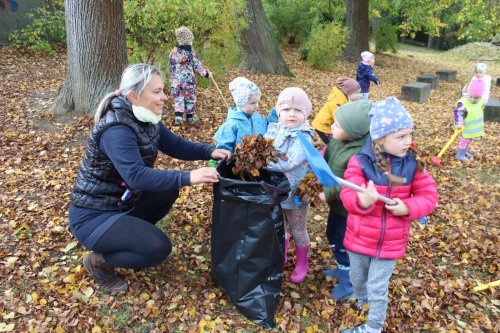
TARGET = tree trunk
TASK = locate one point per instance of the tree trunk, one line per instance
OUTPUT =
(261, 50)
(97, 54)
(357, 22)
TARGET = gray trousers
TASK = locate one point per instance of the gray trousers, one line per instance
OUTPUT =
(370, 281)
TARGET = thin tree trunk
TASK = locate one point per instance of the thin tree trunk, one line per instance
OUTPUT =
(261, 50)
(357, 23)
(97, 54)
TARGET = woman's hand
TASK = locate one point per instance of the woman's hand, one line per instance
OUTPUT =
(399, 209)
(204, 175)
(322, 196)
(219, 154)
(369, 197)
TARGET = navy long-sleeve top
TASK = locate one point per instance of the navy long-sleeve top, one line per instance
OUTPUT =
(119, 144)
(364, 75)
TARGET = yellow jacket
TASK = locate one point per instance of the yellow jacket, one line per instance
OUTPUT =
(324, 119)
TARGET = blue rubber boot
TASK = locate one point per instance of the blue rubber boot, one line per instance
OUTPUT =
(330, 272)
(461, 155)
(343, 290)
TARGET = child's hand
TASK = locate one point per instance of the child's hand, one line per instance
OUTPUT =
(322, 196)
(399, 209)
(210, 74)
(369, 197)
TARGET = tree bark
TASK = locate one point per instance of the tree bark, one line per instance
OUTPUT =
(357, 22)
(261, 52)
(97, 54)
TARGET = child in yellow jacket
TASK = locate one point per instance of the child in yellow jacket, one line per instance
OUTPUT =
(345, 90)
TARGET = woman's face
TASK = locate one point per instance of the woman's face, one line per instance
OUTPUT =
(152, 96)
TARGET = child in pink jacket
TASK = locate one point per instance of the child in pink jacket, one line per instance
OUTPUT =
(377, 233)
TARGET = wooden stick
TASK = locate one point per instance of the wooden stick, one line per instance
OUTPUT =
(220, 92)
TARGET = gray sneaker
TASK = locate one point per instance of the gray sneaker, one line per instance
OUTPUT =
(193, 120)
(103, 273)
(178, 121)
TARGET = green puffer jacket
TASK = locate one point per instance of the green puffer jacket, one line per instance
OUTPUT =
(338, 153)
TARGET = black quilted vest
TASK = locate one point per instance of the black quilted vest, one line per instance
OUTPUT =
(98, 184)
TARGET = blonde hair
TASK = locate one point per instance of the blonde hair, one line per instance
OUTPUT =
(383, 165)
(134, 78)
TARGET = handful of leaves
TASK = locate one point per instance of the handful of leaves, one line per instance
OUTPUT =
(252, 154)
(309, 188)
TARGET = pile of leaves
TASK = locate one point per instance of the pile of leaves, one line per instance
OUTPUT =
(309, 188)
(252, 154)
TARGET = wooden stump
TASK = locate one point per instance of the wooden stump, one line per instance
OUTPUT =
(416, 91)
(432, 79)
(447, 75)
(492, 110)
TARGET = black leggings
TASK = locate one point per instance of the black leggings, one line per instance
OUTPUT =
(134, 241)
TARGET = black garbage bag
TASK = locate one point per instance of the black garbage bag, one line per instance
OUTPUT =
(248, 241)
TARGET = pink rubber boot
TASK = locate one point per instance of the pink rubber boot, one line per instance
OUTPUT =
(287, 241)
(302, 264)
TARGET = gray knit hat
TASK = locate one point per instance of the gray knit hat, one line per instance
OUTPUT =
(353, 118)
(184, 36)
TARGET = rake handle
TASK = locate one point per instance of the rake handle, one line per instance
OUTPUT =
(453, 137)
(220, 92)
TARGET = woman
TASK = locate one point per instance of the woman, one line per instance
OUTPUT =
(118, 196)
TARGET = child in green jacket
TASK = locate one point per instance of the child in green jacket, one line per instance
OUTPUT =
(349, 132)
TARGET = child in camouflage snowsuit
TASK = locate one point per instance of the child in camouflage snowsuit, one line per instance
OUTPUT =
(182, 66)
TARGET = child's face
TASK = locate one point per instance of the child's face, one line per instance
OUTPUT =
(397, 143)
(338, 132)
(474, 98)
(252, 105)
(291, 118)
(354, 97)
(479, 74)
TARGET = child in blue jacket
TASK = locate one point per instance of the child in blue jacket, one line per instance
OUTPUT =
(364, 73)
(243, 118)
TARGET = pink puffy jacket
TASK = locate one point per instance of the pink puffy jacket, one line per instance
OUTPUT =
(375, 231)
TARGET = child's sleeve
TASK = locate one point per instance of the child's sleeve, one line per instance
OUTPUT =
(349, 197)
(198, 67)
(225, 137)
(459, 114)
(372, 76)
(424, 196)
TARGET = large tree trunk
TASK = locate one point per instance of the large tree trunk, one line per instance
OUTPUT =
(357, 22)
(261, 50)
(97, 53)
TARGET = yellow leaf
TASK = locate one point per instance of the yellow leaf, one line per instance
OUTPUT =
(150, 303)
(88, 292)
(21, 310)
(69, 279)
(7, 328)
(70, 246)
(196, 219)
(192, 312)
(43, 301)
(9, 315)
(318, 218)
(211, 296)
(187, 228)
(144, 297)
(96, 329)
(295, 295)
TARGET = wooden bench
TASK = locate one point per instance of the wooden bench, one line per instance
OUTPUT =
(416, 91)
(447, 75)
(432, 79)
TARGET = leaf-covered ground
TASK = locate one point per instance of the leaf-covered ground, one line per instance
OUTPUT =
(44, 288)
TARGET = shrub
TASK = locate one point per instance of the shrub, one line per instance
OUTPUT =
(325, 44)
(386, 37)
(47, 30)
